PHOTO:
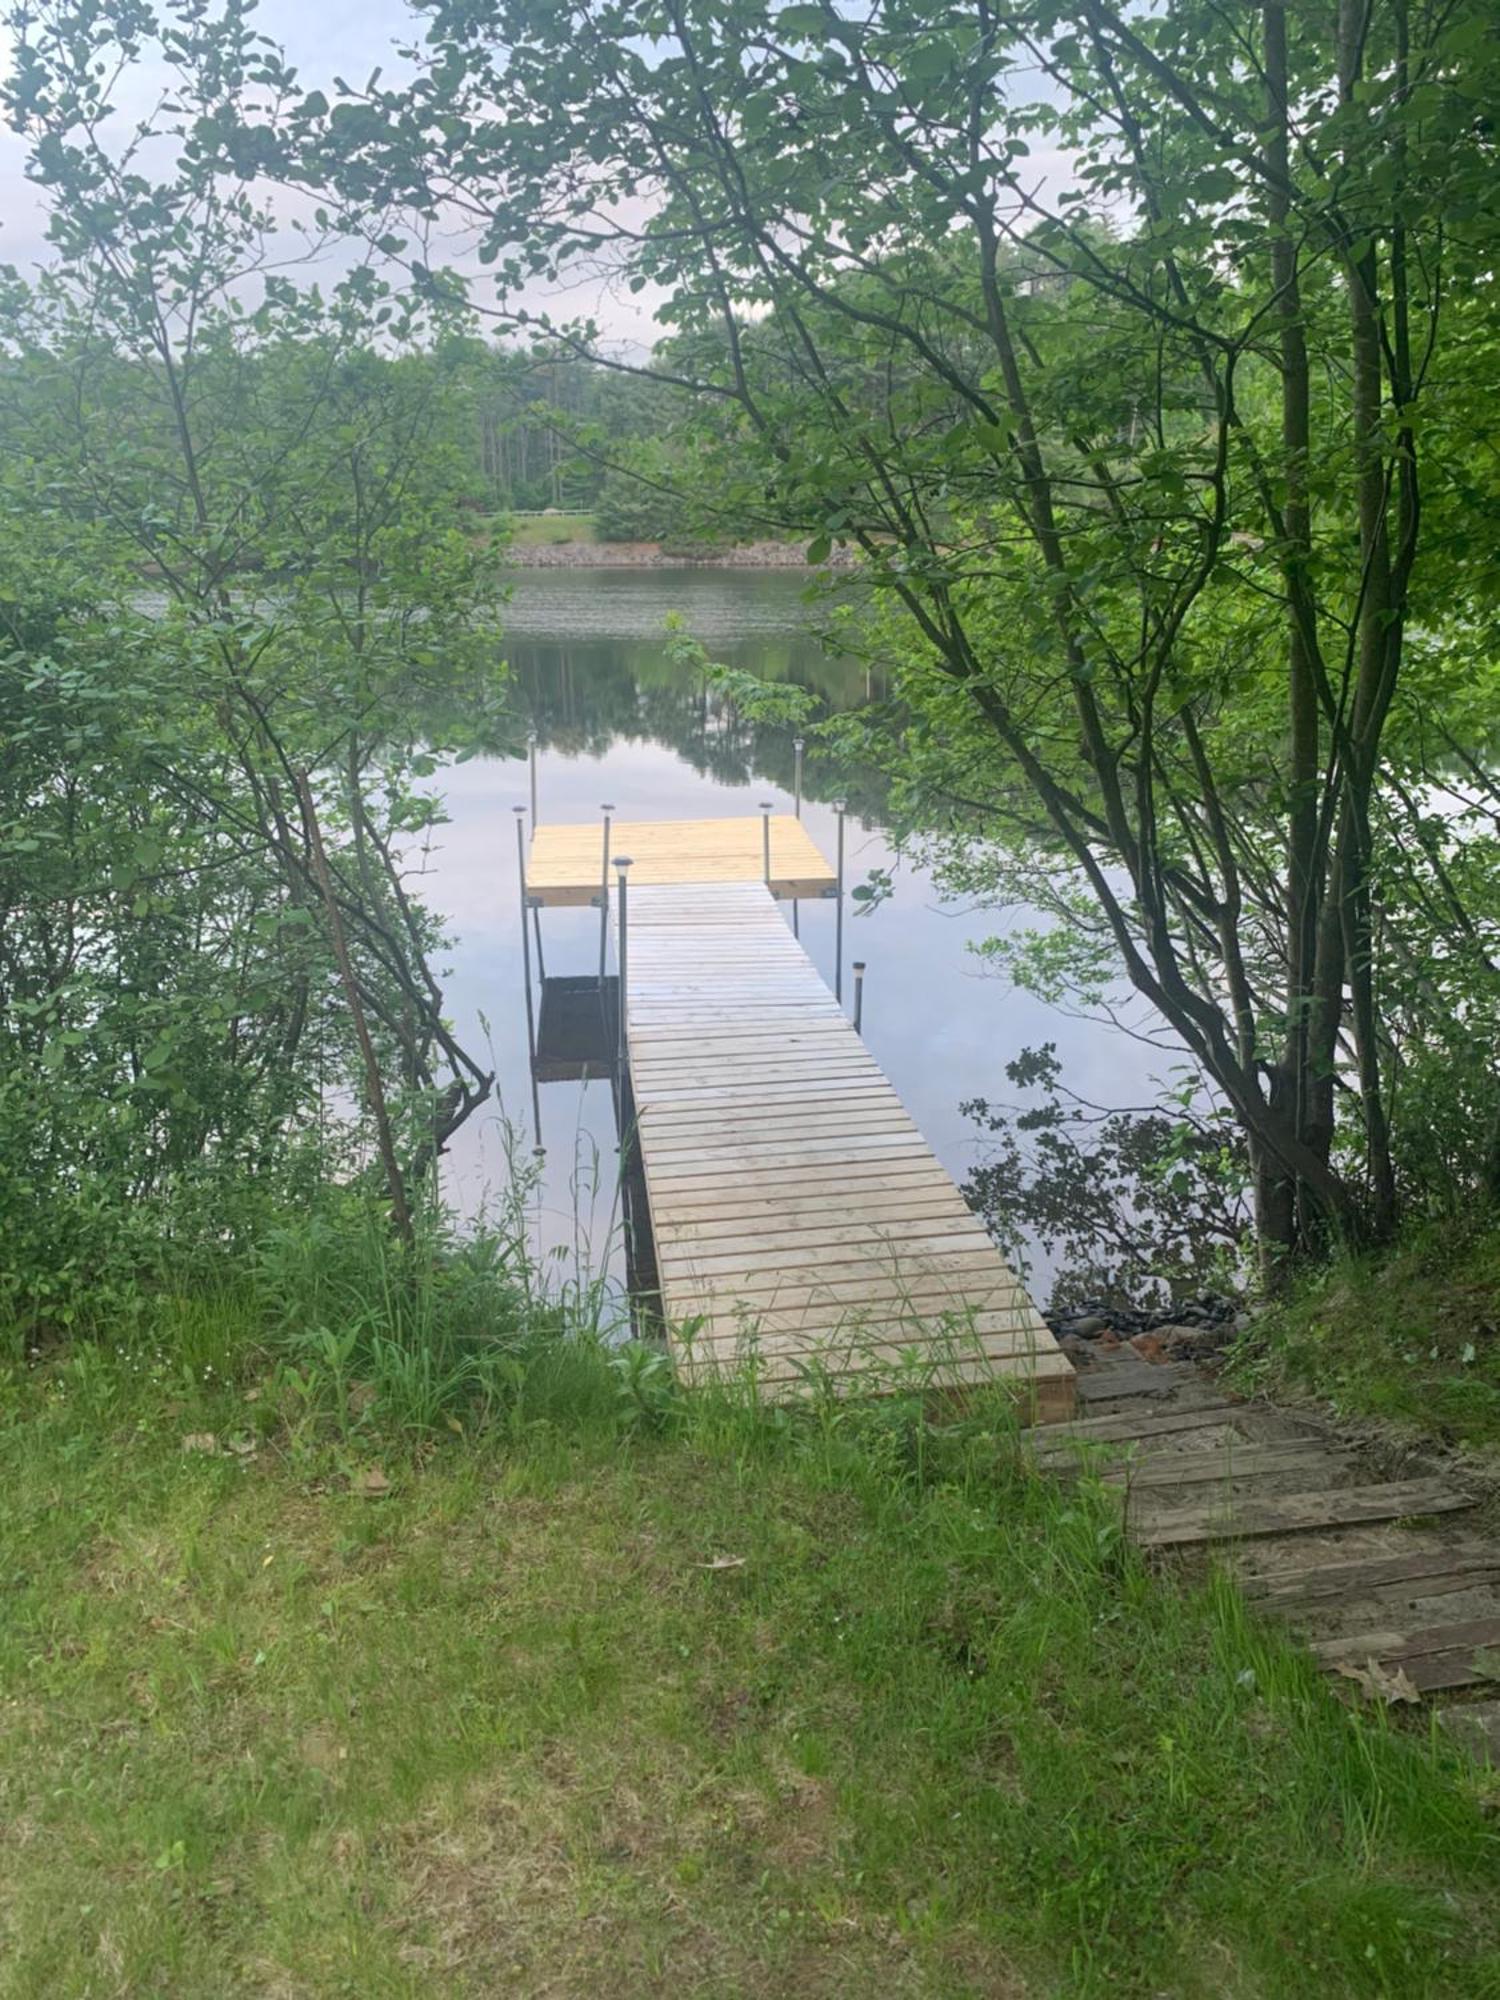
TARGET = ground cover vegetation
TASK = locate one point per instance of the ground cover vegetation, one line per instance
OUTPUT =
(627, 1693)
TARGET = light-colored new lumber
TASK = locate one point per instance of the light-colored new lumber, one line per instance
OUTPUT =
(802, 1222)
(564, 866)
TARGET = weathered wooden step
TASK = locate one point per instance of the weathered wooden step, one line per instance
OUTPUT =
(1435, 1672)
(1467, 1635)
(1127, 1426)
(1119, 1379)
(1286, 1513)
(1445, 1656)
(1417, 1573)
(1225, 1466)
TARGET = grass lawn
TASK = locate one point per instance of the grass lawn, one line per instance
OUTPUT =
(544, 530)
(737, 1705)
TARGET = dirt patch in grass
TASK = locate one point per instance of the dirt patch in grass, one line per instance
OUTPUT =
(668, 1893)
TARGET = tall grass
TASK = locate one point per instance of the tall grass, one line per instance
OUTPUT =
(347, 1326)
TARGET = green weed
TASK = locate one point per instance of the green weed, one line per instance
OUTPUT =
(1411, 1334)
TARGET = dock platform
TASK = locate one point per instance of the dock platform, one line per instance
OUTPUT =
(566, 865)
(800, 1218)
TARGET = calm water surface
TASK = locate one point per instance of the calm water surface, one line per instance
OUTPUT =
(616, 722)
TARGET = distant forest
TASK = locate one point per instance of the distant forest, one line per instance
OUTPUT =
(579, 437)
(524, 456)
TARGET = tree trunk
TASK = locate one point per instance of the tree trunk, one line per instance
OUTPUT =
(1296, 1091)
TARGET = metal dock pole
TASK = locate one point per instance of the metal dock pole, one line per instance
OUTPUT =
(765, 837)
(541, 963)
(859, 993)
(623, 906)
(604, 899)
(838, 910)
(536, 1095)
(798, 744)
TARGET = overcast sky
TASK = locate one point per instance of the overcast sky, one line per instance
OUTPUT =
(319, 36)
(350, 38)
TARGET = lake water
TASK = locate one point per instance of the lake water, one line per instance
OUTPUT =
(616, 722)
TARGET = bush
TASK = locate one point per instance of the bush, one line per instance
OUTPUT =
(631, 509)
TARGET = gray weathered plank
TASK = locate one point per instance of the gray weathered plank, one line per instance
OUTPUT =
(1126, 1428)
(1287, 1513)
(1415, 1573)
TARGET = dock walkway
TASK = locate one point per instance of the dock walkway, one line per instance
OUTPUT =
(799, 1216)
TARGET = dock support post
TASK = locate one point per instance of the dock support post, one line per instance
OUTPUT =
(531, 755)
(838, 909)
(798, 745)
(536, 1095)
(622, 866)
(859, 993)
(604, 899)
(765, 839)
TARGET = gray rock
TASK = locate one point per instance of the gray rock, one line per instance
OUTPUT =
(1079, 1351)
(1186, 1342)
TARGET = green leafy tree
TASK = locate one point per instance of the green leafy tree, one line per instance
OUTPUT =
(238, 581)
(1137, 353)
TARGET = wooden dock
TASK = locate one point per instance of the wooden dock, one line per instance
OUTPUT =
(566, 864)
(801, 1221)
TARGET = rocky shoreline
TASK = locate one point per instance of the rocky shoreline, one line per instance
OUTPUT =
(1188, 1330)
(652, 555)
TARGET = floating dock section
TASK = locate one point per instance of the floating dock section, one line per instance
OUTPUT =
(803, 1227)
(567, 865)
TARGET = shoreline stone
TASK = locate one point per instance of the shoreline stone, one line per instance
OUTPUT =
(651, 555)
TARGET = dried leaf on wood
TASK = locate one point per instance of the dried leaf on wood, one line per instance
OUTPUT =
(1387, 1684)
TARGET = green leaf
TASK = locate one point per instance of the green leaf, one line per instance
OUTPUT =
(928, 61)
(802, 23)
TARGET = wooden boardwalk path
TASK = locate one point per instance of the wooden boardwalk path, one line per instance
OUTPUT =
(1367, 1566)
(799, 1215)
